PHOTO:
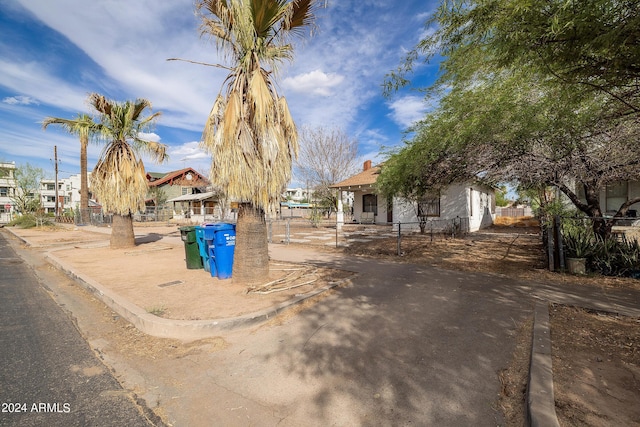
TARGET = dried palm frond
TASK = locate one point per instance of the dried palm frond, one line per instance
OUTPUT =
(250, 132)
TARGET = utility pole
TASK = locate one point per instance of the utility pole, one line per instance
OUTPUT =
(55, 156)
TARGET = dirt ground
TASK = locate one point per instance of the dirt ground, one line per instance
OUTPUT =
(596, 356)
(153, 275)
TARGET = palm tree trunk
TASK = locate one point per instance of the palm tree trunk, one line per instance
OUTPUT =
(122, 235)
(251, 257)
(84, 185)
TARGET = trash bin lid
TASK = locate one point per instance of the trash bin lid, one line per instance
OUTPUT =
(187, 228)
(223, 226)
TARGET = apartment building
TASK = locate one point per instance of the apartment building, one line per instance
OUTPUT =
(49, 195)
(7, 190)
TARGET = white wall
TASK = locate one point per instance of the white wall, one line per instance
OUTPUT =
(459, 201)
(474, 202)
(481, 207)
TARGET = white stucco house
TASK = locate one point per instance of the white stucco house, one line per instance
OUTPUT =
(473, 203)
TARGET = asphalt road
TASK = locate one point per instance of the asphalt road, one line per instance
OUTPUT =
(48, 374)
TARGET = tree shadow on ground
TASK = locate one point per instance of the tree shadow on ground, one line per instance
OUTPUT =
(406, 345)
(148, 238)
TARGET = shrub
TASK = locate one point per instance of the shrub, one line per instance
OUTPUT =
(608, 256)
(579, 241)
(612, 257)
(29, 221)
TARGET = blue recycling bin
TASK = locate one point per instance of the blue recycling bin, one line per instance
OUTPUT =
(222, 250)
(204, 237)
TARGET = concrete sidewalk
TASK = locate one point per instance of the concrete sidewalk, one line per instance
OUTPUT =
(461, 303)
(150, 286)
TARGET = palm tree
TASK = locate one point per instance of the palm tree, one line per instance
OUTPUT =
(118, 179)
(85, 128)
(250, 132)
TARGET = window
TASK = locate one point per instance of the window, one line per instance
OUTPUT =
(429, 206)
(185, 191)
(616, 195)
(4, 191)
(370, 203)
(4, 173)
(51, 187)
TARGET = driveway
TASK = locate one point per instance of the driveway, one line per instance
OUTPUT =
(404, 345)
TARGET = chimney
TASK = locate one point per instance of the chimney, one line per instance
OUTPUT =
(367, 165)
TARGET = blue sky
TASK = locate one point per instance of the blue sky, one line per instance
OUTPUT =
(54, 53)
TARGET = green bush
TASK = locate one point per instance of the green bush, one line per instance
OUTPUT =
(29, 221)
(612, 257)
(579, 240)
(609, 257)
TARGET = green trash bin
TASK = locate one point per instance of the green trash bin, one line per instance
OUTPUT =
(191, 250)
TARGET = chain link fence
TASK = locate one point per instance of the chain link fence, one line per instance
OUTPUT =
(325, 233)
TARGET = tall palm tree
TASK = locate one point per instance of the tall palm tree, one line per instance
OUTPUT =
(119, 179)
(250, 132)
(84, 127)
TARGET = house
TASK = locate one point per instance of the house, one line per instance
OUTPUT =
(7, 191)
(176, 183)
(187, 193)
(297, 195)
(615, 195)
(472, 202)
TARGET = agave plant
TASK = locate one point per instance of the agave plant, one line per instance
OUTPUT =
(616, 258)
(579, 241)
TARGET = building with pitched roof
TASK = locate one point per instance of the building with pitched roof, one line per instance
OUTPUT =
(474, 203)
(188, 195)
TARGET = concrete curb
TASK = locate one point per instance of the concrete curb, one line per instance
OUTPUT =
(178, 329)
(187, 330)
(541, 407)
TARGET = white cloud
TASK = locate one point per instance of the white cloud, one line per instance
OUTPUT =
(315, 82)
(407, 110)
(188, 151)
(154, 137)
(32, 81)
(19, 100)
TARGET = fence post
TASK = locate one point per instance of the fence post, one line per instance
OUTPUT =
(399, 239)
(558, 225)
(287, 232)
(550, 245)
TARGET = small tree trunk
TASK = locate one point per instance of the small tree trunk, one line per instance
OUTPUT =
(84, 185)
(251, 257)
(122, 235)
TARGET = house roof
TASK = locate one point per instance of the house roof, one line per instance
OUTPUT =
(179, 177)
(364, 179)
(193, 197)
